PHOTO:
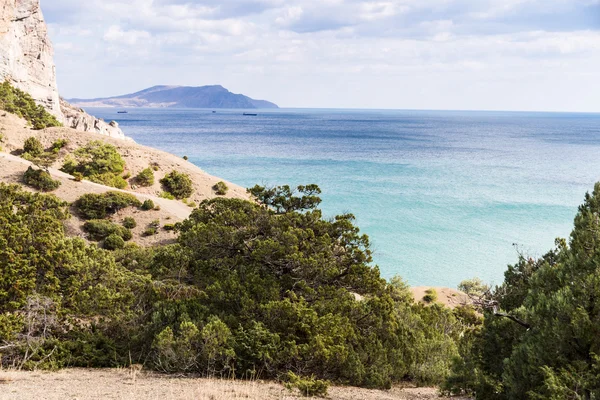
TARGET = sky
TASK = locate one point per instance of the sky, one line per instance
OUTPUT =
(539, 55)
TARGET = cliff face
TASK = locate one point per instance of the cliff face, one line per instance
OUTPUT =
(26, 52)
(26, 60)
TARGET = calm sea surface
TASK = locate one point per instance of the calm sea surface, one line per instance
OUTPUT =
(444, 196)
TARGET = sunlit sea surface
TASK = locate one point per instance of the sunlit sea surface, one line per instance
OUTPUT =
(443, 195)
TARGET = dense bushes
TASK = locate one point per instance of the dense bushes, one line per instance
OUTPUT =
(101, 229)
(22, 104)
(178, 184)
(99, 206)
(114, 242)
(98, 162)
(541, 336)
(40, 179)
(259, 291)
(50, 282)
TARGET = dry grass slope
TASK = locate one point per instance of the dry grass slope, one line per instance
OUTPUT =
(109, 384)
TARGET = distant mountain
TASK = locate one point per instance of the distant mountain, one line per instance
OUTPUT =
(214, 96)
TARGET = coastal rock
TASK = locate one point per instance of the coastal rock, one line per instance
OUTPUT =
(77, 118)
(26, 61)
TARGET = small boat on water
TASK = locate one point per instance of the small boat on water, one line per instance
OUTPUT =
(250, 114)
(122, 112)
(214, 112)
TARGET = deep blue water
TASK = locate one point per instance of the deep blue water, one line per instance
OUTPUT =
(444, 196)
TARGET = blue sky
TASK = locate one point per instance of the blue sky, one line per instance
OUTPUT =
(400, 54)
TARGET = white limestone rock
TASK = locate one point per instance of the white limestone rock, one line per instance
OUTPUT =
(26, 60)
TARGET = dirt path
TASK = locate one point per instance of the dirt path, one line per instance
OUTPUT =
(111, 384)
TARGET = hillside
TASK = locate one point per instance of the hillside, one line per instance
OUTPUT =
(137, 157)
(214, 96)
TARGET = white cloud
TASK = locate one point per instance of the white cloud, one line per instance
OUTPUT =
(131, 37)
(303, 52)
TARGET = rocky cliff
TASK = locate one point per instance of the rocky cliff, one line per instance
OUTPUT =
(26, 60)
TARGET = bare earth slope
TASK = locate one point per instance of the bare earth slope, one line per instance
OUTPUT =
(447, 296)
(137, 158)
(108, 384)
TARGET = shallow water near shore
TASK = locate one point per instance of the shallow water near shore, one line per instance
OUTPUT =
(444, 196)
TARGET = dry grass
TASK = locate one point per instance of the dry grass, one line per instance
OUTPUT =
(112, 384)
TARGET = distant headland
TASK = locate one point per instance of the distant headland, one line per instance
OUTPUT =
(213, 96)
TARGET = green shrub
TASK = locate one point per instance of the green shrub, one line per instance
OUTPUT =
(148, 205)
(154, 166)
(22, 104)
(33, 147)
(220, 188)
(114, 242)
(178, 184)
(99, 206)
(150, 232)
(179, 352)
(77, 176)
(169, 227)
(129, 222)
(166, 195)
(308, 387)
(185, 158)
(98, 162)
(40, 180)
(127, 175)
(100, 229)
(58, 145)
(192, 204)
(145, 177)
(473, 287)
(431, 296)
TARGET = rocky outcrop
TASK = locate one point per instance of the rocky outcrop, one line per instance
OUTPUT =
(26, 60)
(77, 118)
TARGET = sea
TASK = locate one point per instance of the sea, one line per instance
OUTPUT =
(443, 195)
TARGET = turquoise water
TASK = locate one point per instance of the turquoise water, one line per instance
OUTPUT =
(444, 196)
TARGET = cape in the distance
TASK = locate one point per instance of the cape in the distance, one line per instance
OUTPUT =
(213, 96)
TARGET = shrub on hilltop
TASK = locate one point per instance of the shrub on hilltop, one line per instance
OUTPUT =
(17, 102)
(98, 162)
(178, 184)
